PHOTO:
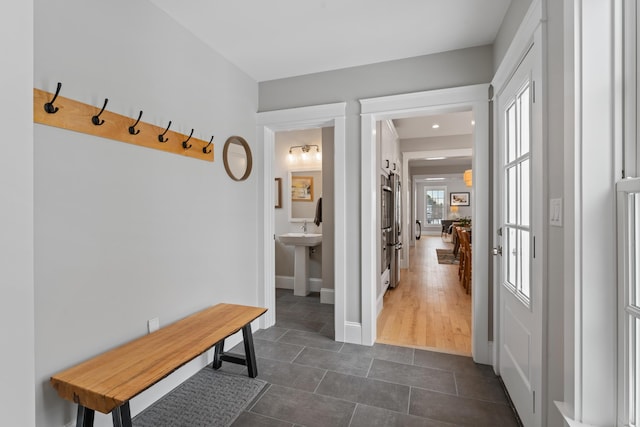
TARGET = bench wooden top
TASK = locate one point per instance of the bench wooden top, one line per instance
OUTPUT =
(113, 378)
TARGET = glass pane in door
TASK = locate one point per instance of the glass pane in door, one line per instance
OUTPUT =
(511, 252)
(634, 233)
(511, 133)
(512, 195)
(634, 371)
(525, 185)
(524, 242)
(525, 119)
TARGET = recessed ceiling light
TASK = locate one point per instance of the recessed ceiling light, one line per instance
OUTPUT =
(435, 126)
(473, 122)
(435, 158)
(434, 179)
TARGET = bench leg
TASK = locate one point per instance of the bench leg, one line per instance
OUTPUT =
(249, 358)
(85, 417)
(217, 355)
(249, 351)
(122, 416)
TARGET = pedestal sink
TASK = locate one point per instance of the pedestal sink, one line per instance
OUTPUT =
(302, 242)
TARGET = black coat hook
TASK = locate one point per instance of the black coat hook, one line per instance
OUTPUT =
(161, 137)
(204, 149)
(96, 119)
(132, 129)
(184, 143)
(49, 107)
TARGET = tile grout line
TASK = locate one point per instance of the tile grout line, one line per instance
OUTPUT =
(370, 366)
(353, 414)
(455, 384)
(320, 382)
(259, 398)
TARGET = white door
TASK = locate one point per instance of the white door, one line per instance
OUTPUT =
(518, 178)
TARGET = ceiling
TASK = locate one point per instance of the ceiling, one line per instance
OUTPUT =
(282, 38)
(424, 127)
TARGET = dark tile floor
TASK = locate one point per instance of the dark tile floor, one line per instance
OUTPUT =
(315, 381)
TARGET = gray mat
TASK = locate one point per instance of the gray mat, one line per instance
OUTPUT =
(207, 399)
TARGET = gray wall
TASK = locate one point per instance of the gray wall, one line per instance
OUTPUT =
(123, 233)
(556, 175)
(443, 70)
(510, 23)
(16, 215)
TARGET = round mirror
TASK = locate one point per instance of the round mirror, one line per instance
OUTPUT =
(237, 158)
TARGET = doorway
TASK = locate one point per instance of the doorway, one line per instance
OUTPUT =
(519, 230)
(268, 123)
(413, 105)
(429, 308)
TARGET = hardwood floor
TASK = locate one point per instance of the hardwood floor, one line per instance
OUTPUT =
(429, 308)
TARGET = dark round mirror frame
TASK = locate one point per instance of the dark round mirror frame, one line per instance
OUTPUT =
(237, 140)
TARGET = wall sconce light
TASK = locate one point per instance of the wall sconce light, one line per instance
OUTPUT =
(468, 177)
(304, 152)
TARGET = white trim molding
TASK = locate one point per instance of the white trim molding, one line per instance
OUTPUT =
(593, 163)
(268, 123)
(327, 296)
(465, 98)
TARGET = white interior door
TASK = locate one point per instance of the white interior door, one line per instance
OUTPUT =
(520, 286)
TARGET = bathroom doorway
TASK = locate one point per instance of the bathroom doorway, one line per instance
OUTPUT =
(299, 119)
(303, 169)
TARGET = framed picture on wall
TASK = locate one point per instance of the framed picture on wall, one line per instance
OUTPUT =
(278, 193)
(459, 199)
(302, 189)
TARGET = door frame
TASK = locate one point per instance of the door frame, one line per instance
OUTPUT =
(267, 124)
(532, 29)
(441, 101)
(537, 307)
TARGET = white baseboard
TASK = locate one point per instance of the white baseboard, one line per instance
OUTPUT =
(380, 302)
(353, 332)
(566, 411)
(327, 296)
(286, 282)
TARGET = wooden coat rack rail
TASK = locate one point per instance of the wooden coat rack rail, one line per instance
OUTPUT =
(77, 116)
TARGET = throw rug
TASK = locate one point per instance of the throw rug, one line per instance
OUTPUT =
(445, 256)
(208, 399)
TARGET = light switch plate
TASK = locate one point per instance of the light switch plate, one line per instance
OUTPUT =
(555, 212)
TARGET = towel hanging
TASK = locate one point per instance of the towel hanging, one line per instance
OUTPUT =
(318, 218)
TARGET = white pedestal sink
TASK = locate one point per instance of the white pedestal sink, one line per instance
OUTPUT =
(302, 242)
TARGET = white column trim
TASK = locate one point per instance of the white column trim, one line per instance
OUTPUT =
(597, 165)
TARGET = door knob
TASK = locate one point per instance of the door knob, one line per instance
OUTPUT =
(497, 251)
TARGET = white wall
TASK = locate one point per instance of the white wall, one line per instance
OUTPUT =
(453, 184)
(17, 394)
(443, 70)
(448, 142)
(123, 233)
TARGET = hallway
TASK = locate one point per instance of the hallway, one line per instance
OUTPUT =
(313, 380)
(429, 309)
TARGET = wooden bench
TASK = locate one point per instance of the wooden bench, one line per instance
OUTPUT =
(106, 383)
